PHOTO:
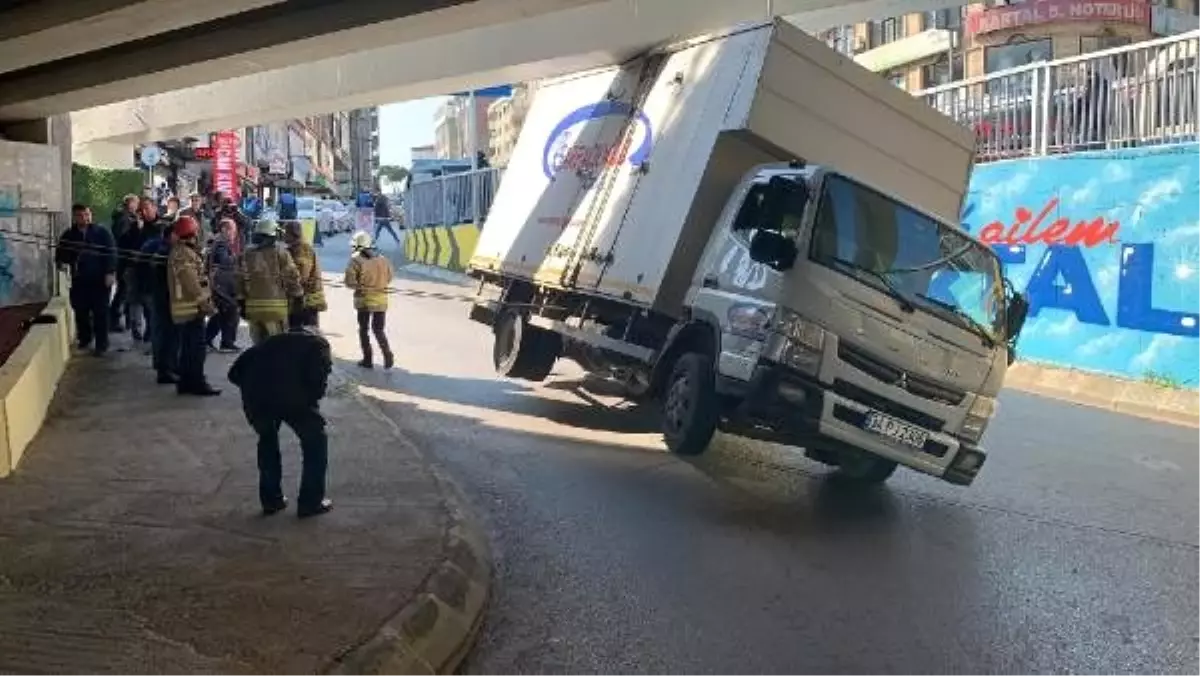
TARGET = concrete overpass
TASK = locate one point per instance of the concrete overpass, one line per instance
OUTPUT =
(453, 47)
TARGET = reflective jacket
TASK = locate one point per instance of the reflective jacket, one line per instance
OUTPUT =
(369, 274)
(190, 296)
(310, 275)
(267, 281)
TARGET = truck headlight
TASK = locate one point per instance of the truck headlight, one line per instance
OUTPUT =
(977, 419)
(804, 341)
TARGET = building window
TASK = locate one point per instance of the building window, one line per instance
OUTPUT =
(945, 70)
(882, 32)
(840, 39)
(1013, 55)
(948, 19)
(898, 80)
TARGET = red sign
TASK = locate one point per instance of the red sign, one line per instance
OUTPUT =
(204, 153)
(1024, 229)
(1038, 12)
(225, 178)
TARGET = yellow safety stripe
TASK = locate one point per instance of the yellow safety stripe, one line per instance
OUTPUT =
(266, 309)
(184, 310)
(315, 300)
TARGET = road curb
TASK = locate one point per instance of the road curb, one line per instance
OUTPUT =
(435, 630)
(1143, 400)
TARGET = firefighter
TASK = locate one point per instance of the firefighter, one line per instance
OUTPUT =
(305, 312)
(369, 274)
(267, 282)
(191, 304)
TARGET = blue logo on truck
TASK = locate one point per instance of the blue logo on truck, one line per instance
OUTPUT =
(564, 152)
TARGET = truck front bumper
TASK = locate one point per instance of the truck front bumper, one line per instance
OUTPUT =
(786, 407)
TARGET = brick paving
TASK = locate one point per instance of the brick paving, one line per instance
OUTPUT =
(131, 539)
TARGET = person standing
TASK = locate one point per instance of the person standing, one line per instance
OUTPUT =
(369, 274)
(172, 209)
(124, 220)
(191, 303)
(267, 282)
(152, 275)
(222, 273)
(90, 254)
(129, 248)
(195, 207)
(307, 310)
(282, 381)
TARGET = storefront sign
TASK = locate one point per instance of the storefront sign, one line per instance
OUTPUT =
(1038, 12)
(224, 168)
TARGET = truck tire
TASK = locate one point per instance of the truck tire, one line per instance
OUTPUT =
(523, 351)
(690, 405)
(864, 468)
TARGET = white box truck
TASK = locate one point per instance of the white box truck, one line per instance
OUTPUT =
(763, 236)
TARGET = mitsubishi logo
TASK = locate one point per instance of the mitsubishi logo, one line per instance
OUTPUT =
(902, 381)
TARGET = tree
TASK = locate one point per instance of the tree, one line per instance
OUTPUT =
(392, 173)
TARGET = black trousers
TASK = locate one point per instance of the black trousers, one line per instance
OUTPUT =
(373, 322)
(302, 317)
(164, 336)
(224, 323)
(192, 353)
(89, 300)
(309, 426)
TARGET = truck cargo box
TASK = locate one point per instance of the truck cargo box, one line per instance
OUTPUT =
(620, 174)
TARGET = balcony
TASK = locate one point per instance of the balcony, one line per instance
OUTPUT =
(1140, 95)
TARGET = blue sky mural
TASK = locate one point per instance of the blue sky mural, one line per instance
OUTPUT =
(1107, 246)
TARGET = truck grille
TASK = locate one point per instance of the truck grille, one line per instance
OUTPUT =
(915, 384)
(884, 405)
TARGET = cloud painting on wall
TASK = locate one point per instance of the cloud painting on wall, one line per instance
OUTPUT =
(1107, 246)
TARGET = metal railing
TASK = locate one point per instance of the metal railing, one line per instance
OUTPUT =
(1137, 95)
(451, 199)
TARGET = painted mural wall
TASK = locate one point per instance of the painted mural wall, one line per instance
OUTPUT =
(1107, 247)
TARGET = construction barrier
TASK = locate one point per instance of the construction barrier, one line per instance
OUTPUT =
(443, 246)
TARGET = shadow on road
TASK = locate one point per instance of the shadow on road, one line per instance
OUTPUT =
(586, 412)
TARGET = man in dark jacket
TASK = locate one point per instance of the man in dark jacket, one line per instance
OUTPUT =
(124, 220)
(222, 278)
(283, 380)
(90, 254)
(152, 275)
(129, 247)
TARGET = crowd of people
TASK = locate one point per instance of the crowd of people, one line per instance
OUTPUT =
(178, 287)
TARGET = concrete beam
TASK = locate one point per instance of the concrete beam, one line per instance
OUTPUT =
(274, 36)
(501, 50)
(49, 30)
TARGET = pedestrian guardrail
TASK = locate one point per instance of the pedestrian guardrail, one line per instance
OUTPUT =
(452, 199)
(1137, 95)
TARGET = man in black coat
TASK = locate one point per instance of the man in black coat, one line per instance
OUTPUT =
(283, 380)
(90, 255)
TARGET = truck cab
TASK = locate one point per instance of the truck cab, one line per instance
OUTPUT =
(850, 324)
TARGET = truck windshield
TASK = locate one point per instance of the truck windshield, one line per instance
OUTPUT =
(928, 264)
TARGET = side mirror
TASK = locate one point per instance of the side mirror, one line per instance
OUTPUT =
(1015, 314)
(771, 248)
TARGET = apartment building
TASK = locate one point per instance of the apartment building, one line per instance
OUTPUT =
(922, 50)
(505, 117)
(452, 124)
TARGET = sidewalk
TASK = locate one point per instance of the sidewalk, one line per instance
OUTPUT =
(131, 541)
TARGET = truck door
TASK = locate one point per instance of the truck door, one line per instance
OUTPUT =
(600, 165)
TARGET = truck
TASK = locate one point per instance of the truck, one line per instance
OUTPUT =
(763, 238)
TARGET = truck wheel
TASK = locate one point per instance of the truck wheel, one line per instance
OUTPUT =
(865, 468)
(523, 351)
(690, 405)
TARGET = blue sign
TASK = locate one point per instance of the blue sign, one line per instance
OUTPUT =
(490, 92)
(151, 155)
(563, 152)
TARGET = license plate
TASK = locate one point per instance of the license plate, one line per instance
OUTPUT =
(886, 426)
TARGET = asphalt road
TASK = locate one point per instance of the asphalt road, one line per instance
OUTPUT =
(1075, 551)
